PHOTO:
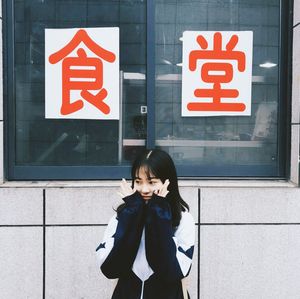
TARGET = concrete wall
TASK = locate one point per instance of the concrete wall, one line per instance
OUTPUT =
(248, 232)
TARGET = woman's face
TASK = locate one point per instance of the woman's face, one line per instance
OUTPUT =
(145, 184)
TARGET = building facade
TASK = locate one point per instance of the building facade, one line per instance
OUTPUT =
(239, 174)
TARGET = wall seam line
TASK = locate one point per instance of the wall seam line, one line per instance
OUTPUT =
(249, 224)
(44, 243)
(103, 225)
(199, 221)
(296, 25)
(50, 225)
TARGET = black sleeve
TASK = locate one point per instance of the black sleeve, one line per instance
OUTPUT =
(126, 238)
(168, 255)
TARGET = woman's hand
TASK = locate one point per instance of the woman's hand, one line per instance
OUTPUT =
(126, 189)
(163, 190)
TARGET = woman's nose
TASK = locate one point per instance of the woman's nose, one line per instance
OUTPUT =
(145, 188)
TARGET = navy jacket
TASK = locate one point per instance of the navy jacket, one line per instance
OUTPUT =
(142, 250)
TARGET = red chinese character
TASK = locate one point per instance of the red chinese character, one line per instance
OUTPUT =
(222, 73)
(82, 73)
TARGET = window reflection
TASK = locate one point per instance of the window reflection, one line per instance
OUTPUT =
(217, 140)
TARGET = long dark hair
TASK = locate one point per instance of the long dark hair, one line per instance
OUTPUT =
(161, 165)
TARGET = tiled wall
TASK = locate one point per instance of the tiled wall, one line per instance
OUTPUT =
(249, 242)
(48, 241)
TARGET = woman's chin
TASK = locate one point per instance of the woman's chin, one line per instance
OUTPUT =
(146, 198)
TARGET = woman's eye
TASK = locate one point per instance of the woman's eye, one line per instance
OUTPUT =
(136, 182)
(153, 182)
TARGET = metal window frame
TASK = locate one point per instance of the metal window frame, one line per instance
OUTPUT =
(14, 172)
(285, 86)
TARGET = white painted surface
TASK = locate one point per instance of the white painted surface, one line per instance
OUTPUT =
(21, 263)
(296, 93)
(21, 206)
(296, 11)
(295, 131)
(296, 75)
(295, 151)
(250, 262)
(250, 205)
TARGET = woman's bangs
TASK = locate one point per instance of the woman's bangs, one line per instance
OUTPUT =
(148, 170)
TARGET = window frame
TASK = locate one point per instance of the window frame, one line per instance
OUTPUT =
(14, 172)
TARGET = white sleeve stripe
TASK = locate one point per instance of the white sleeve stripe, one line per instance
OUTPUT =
(103, 252)
(108, 241)
(184, 262)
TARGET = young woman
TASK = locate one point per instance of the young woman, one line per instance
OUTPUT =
(149, 243)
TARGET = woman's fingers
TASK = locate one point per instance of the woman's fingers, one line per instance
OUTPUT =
(121, 194)
(164, 189)
(126, 189)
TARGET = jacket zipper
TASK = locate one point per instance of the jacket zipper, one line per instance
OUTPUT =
(142, 292)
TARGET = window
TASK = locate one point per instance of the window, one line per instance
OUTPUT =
(150, 84)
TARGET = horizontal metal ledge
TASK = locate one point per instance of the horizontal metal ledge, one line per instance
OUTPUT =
(195, 143)
(175, 77)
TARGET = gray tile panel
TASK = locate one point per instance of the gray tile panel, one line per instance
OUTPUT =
(21, 206)
(250, 205)
(21, 263)
(250, 262)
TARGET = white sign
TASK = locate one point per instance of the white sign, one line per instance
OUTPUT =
(216, 73)
(82, 73)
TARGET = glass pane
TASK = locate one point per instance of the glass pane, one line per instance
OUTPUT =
(224, 142)
(41, 141)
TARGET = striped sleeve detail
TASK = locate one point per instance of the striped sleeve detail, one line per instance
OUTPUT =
(184, 239)
(107, 244)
